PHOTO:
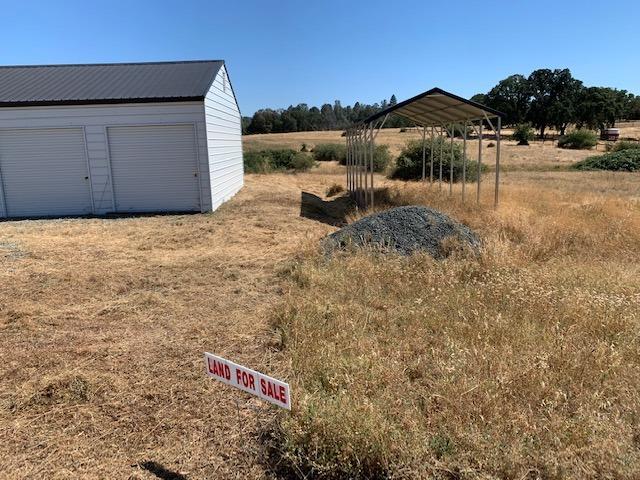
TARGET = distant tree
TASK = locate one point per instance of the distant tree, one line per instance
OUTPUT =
(480, 98)
(567, 94)
(546, 98)
(512, 97)
(554, 94)
(397, 121)
(328, 117)
(258, 123)
(633, 108)
(246, 121)
(315, 119)
(600, 107)
(289, 122)
(340, 115)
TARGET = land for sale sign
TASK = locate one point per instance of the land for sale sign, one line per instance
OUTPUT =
(270, 389)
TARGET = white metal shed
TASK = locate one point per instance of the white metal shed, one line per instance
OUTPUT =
(126, 137)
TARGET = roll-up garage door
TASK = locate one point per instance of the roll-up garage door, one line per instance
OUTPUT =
(154, 168)
(44, 172)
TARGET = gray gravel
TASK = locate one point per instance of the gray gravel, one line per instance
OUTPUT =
(404, 230)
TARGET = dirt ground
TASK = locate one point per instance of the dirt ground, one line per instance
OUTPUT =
(103, 323)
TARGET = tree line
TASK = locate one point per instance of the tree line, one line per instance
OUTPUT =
(302, 118)
(554, 98)
(546, 98)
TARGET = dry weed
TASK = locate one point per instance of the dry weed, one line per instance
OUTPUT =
(522, 363)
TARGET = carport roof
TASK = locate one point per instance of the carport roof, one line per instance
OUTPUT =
(438, 107)
(32, 85)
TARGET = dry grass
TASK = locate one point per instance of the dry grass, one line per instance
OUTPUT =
(103, 324)
(522, 363)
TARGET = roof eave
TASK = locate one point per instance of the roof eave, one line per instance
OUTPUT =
(105, 101)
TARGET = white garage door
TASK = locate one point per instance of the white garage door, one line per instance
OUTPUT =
(44, 172)
(154, 168)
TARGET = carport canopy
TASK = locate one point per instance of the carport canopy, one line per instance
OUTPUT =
(436, 107)
(445, 114)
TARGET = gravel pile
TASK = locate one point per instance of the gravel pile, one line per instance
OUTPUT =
(404, 230)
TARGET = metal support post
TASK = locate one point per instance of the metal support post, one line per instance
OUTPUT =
(431, 154)
(424, 163)
(464, 158)
(360, 162)
(441, 155)
(479, 161)
(495, 201)
(373, 151)
(347, 162)
(451, 165)
(365, 155)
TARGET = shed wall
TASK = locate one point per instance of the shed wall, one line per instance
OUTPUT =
(224, 139)
(96, 118)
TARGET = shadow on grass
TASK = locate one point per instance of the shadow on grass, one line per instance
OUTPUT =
(332, 212)
(161, 472)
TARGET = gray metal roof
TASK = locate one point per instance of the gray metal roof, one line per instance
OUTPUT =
(106, 83)
(438, 107)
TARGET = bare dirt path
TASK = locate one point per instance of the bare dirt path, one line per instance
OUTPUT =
(102, 327)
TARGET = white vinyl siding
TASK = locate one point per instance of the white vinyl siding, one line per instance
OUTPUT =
(154, 168)
(96, 119)
(215, 127)
(224, 140)
(44, 172)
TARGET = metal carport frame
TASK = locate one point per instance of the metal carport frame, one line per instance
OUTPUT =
(438, 110)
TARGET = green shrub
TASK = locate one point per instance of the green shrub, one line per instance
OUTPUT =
(282, 159)
(381, 159)
(409, 163)
(257, 162)
(623, 160)
(624, 145)
(523, 133)
(578, 139)
(266, 161)
(326, 152)
(302, 162)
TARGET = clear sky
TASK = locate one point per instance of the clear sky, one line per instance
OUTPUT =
(283, 52)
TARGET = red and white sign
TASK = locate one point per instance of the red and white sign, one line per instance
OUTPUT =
(255, 383)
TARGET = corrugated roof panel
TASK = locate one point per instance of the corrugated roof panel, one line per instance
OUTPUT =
(436, 107)
(106, 83)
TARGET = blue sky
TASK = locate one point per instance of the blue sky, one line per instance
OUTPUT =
(289, 52)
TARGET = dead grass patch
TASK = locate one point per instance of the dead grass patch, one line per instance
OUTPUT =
(520, 363)
(103, 324)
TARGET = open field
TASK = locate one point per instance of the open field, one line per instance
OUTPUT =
(522, 363)
(103, 323)
(537, 156)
